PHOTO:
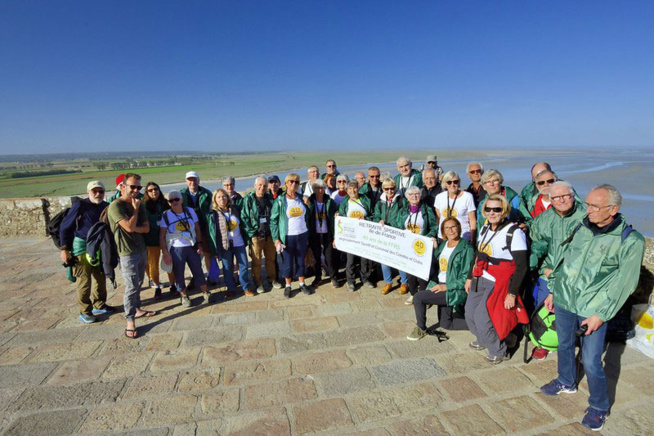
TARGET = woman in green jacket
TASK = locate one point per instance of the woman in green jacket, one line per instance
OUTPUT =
(321, 231)
(452, 261)
(418, 218)
(155, 205)
(385, 210)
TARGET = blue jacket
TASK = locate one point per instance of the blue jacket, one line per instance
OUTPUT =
(71, 227)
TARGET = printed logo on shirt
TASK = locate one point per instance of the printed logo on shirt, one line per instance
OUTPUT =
(295, 211)
(321, 216)
(443, 264)
(419, 247)
(487, 249)
(356, 214)
(180, 226)
(413, 228)
(449, 213)
(233, 225)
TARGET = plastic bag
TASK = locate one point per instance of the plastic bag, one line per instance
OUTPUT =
(165, 267)
(643, 316)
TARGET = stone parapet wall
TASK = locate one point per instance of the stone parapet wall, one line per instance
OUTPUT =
(29, 216)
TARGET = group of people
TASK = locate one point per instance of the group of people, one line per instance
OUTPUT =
(498, 254)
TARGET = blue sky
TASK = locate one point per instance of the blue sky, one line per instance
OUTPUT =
(261, 75)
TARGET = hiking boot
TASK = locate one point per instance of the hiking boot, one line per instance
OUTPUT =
(496, 359)
(86, 318)
(287, 292)
(539, 353)
(206, 297)
(249, 293)
(409, 301)
(316, 281)
(260, 289)
(104, 310)
(186, 302)
(191, 284)
(305, 289)
(157, 293)
(555, 387)
(594, 419)
(335, 283)
(350, 287)
(172, 292)
(387, 288)
(277, 285)
(369, 284)
(404, 288)
(416, 334)
(475, 346)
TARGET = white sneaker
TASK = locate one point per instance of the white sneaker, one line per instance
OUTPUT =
(409, 300)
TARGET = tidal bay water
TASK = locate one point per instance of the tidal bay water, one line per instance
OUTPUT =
(631, 171)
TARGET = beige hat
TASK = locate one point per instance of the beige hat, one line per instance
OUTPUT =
(94, 184)
(432, 158)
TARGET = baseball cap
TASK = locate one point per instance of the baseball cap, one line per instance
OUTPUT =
(94, 184)
(192, 174)
(432, 158)
(274, 179)
(119, 180)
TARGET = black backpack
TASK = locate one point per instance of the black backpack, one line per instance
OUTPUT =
(54, 224)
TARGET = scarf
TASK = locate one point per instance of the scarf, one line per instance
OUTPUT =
(222, 229)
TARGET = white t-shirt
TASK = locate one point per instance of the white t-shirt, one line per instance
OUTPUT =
(414, 222)
(443, 263)
(405, 183)
(338, 197)
(497, 248)
(308, 190)
(233, 231)
(460, 208)
(181, 228)
(321, 217)
(295, 211)
(355, 209)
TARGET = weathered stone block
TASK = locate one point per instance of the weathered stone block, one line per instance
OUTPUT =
(315, 324)
(345, 381)
(471, 420)
(157, 385)
(462, 389)
(279, 393)
(519, 413)
(24, 375)
(172, 409)
(321, 362)
(220, 401)
(326, 415)
(48, 423)
(116, 417)
(181, 358)
(369, 355)
(252, 372)
(406, 371)
(198, 380)
(239, 351)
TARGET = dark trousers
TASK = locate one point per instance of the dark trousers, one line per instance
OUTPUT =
(351, 268)
(294, 254)
(321, 243)
(416, 284)
(446, 318)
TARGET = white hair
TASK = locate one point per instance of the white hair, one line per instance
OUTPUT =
(481, 167)
(615, 198)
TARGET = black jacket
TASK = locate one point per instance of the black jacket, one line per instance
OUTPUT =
(102, 250)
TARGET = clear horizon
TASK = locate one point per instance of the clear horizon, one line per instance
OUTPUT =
(258, 76)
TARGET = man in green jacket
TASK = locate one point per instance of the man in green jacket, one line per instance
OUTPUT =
(529, 193)
(200, 200)
(589, 285)
(548, 232)
(408, 176)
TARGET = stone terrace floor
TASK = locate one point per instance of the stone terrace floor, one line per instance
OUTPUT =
(331, 363)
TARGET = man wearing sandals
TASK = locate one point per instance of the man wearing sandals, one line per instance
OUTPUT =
(129, 223)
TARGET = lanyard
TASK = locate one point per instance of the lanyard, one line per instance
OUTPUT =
(319, 212)
(389, 204)
(415, 223)
(183, 220)
(483, 246)
(450, 209)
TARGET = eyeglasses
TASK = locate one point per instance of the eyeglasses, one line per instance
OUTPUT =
(341, 181)
(492, 182)
(228, 184)
(596, 208)
(493, 209)
(474, 172)
(450, 228)
(173, 200)
(97, 191)
(135, 187)
(561, 198)
(548, 181)
(153, 189)
(453, 182)
(331, 166)
(414, 193)
(295, 182)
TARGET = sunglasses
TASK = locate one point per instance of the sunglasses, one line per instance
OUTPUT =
(453, 182)
(374, 177)
(389, 189)
(98, 191)
(135, 187)
(493, 209)
(174, 200)
(548, 181)
(295, 182)
(432, 162)
(474, 171)
(153, 189)
(331, 166)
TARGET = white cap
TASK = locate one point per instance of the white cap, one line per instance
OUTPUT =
(94, 184)
(192, 174)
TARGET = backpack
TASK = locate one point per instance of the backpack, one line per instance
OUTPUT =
(541, 331)
(53, 228)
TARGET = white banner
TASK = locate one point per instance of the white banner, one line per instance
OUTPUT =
(397, 248)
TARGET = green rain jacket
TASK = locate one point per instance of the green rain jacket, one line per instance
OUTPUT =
(381, 210)
(365, 202)
(416, 181)
(214, 236)
(547, 233)
(330, 208)
(529, 195)
(250, 213)
(599, 271)
(457, 273)
(518, 214)
(429, 229)
(279, 220)
(203, 211)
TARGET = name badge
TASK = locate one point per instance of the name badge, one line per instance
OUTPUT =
(263, 220)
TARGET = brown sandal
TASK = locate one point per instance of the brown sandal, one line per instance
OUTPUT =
(131, 333)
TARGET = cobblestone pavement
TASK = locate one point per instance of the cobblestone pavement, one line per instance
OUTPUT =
(333, 363)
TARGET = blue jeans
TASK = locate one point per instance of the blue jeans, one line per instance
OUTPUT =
(386, 273)
(592, 347)
(133, 270)
(183, 256)
(227, 256)
(294, 254)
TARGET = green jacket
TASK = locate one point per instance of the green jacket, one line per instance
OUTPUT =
(279, 220)
(154, 217)
(203, 211)
(547, 233)
(382, 213)
(330, 208)
(416, 181)
(518, 214)
(598, 271)
(429, 229)
(365, 202)
(215, 238)
(365, 190)
(250, 213)
(457, 273)
(529, 195)
(238, 201)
